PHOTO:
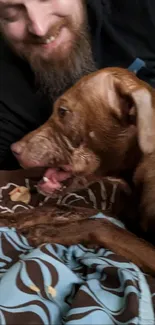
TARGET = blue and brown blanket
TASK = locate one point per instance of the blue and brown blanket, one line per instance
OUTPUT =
(55, 284)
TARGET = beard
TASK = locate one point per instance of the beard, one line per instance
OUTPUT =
(55, 76)
(56, 73)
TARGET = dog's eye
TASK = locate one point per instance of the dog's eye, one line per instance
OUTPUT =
(62, 111)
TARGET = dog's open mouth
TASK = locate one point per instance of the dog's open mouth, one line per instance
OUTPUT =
(55, 180)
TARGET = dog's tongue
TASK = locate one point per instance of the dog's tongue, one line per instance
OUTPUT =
(52, 179)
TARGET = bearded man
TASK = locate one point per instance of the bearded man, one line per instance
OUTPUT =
(47, 45)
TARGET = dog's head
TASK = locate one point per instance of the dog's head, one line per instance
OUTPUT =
(101, 123)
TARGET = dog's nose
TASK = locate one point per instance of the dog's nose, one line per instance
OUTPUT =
(17, 148)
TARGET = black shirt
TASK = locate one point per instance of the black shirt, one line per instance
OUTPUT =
(121, 31)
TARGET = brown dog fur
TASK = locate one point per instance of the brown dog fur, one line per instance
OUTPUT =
(105, 124)
(98, 126)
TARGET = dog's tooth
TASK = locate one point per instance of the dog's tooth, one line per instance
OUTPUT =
(45, 179)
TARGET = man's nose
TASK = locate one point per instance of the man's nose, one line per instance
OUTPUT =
(37, 22)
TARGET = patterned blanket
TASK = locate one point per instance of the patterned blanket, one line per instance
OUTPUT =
(54, 284)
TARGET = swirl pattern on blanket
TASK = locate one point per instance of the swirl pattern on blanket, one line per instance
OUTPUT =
(53, 284)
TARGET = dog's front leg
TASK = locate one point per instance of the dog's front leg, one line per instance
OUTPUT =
(76, 228)
(126, 244)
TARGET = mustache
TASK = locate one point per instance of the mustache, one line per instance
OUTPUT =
(53, 30)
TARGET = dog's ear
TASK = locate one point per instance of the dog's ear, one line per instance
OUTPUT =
(135, 103)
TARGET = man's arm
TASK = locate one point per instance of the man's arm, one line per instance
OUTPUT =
(124, 31)
(22, 107)
(10, 131)
(147, 75)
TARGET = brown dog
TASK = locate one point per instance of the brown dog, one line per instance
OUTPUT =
(105, 124)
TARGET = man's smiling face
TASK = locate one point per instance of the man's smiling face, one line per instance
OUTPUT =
(52, 35)
(46, 28)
